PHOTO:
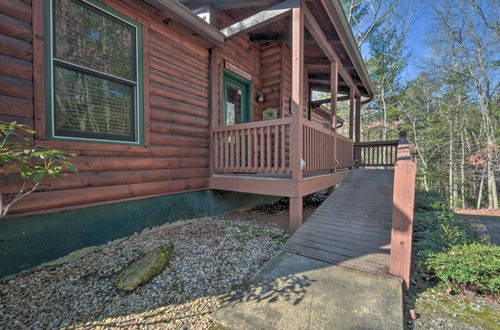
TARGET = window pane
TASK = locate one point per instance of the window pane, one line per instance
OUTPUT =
(89, 106)
(93, 39)
(233, 105)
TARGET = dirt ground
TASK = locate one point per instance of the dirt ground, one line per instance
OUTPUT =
(280, 218)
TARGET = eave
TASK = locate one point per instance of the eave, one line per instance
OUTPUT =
(185, 16)
(339, 20)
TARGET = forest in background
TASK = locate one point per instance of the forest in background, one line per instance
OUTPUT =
(450, 109)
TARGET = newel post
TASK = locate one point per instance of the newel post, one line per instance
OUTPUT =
(405, 172)
(297, 152)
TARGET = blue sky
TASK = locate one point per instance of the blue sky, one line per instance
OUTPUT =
(419, 32)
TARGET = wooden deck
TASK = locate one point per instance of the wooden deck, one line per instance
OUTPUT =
(353, 226)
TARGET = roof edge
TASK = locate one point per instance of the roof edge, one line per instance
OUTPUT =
(337, 11)
(190, 19)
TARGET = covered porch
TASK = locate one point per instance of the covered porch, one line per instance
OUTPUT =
(299, 151)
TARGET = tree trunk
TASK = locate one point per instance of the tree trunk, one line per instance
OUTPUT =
(480, 192)
(462, 168)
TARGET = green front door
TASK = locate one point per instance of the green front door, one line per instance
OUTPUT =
(236, 100)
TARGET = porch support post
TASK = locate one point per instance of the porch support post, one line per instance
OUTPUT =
(357, 132)
(334, 86)
(351, 112)
(297, 152)
(357, 121)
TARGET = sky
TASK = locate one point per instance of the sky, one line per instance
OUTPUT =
(422, 27)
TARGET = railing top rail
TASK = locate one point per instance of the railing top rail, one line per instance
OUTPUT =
(254, 124)
(377, 143)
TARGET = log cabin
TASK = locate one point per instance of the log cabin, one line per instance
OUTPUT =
(173, 107)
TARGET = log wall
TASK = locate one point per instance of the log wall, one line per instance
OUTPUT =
(16, 68)
(175, 157)
(244, 54)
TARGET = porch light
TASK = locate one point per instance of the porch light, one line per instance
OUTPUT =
(260, 97)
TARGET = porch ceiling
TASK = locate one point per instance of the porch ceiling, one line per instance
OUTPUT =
(337, 33)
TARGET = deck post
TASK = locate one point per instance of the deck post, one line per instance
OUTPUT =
(357, 131)
(351, 112)
(296, 146)
(334, 76)
(405, 173)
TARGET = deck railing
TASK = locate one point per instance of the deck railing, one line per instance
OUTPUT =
(374, 154)
(264, 147)
(403, 198)
(344, 152)
(319, 150)
(256, 147)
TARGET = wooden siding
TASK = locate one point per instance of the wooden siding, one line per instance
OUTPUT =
(272, 76)
(245, 55)
(176, 156)
(16, 69)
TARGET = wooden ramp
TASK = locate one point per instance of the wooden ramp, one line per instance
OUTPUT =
(352, 227)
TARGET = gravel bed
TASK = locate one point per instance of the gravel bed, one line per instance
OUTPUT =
(212, 258)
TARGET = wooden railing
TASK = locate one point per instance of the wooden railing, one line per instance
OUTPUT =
(373, 154)
(257, 147)
(403, 198)
(344, 152)
(318, 148)
(263, 147)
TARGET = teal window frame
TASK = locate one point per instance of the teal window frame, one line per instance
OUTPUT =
(245, 85)
(49, 76)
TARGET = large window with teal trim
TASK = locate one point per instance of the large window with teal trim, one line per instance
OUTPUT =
(94, 73)
(237, 99)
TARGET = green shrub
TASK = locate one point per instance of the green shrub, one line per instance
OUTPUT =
(437, 232)
(431, 201)
(475, 266)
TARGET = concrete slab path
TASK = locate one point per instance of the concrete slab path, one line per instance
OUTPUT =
(333, 271)
(297, 292)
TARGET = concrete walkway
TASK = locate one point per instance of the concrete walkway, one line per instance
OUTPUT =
(330, 273)
(297, 292)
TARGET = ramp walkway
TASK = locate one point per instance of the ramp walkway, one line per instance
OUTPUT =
(328, 275)
(352, 227)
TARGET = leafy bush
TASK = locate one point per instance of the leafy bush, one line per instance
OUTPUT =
(474, 266)
(445, 246)
(31, 163)
(431, 201)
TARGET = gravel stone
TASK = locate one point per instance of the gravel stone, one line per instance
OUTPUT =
(212, 257)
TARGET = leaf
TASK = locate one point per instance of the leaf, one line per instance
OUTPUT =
(71, 167)
(38, 177)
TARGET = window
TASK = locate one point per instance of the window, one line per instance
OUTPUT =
(236, 99)
(94, 73)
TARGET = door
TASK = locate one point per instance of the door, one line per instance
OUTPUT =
(236, 103)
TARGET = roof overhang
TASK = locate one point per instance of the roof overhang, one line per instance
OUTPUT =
(185, 16)
(339, 20)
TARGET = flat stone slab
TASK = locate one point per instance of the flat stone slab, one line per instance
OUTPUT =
(297, 292)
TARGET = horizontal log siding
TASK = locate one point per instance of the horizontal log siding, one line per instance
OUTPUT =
(272, 76)
(16, 68)
(175, 160)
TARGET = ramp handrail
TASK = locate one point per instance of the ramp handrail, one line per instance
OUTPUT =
(403, 200)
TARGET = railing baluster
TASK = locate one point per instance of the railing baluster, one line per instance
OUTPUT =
(276, 146)
(262, 150)
(268, 147)
(255, 149)
(283, 148)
